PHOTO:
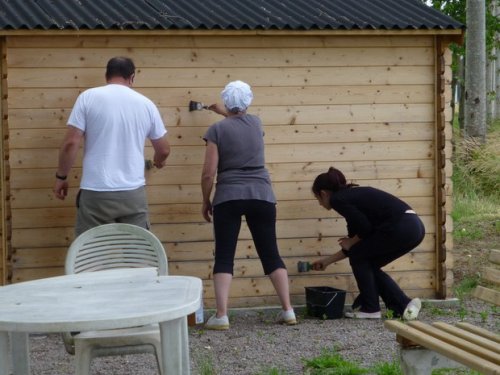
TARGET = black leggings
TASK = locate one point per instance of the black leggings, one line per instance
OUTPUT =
(368, 256)
(261, 220)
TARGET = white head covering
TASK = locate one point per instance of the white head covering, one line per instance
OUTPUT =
(237, 94)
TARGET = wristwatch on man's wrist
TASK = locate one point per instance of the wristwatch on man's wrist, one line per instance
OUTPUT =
(61, 177)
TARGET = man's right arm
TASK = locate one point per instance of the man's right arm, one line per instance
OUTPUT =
(67, 156)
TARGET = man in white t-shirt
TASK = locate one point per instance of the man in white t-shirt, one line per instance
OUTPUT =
(115, 121)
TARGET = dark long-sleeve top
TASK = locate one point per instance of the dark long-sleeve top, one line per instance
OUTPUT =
(366, 209)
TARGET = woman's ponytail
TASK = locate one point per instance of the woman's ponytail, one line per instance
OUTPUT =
(333, 180)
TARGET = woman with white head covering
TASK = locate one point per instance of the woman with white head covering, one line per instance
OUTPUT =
(235, 153)
(237, 96)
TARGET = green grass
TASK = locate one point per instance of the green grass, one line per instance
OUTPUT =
(476, 180)
(328, 363)
(437, 311)
(331, 363)
(454, 371)
(466, 286)
(272, 371)
(475, 216)
(476, 206)
(205, 365)
(387, 368)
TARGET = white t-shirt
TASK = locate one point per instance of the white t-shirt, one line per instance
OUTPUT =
(116, 121)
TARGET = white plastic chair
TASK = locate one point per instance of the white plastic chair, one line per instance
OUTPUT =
(106, 247)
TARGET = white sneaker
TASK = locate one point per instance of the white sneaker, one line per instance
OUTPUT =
(412, 309)
(363, 315)
(287, 317)
(218, 324)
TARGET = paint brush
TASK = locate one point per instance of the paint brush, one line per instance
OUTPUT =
(148, 164)
(196, 106)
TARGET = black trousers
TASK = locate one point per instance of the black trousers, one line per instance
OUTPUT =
(367, 257)
(261, 220)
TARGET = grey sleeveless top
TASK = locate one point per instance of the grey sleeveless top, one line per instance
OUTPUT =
(241, 173)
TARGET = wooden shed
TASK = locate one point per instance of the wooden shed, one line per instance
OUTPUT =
(363, 85)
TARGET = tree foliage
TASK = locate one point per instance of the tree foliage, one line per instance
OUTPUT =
(456, 10)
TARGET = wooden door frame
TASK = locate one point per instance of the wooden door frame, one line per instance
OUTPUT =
(441, 45)
(4, 188)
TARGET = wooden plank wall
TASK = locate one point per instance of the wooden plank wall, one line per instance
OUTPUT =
(3, 163)
(363, 104)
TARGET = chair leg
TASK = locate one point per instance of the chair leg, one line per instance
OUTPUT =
(83, 358)
(175, 346)
(159, 362)
(20, 353)
(5, 353)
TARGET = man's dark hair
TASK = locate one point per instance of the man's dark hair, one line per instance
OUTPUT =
(120, 67)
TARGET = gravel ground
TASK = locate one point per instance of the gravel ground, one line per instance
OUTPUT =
(255, 344)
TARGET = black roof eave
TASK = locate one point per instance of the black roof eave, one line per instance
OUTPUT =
(368, 29)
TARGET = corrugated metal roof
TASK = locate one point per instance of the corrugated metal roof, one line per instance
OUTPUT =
(221, 14)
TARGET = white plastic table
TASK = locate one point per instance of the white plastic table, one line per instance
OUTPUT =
(118, 298)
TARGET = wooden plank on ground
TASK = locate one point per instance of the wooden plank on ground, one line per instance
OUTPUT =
(494, 256)
(491, 275)
(467, 342)
(487, 294)
(479, 331)
(444, 348)
(470, 337)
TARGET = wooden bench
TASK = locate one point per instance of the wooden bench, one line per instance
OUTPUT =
(490, 291)
(464, 343)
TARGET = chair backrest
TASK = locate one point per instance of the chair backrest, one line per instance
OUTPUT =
(115, 245)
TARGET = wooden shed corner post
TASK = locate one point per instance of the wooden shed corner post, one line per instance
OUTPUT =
(442, 189)
(4, 188)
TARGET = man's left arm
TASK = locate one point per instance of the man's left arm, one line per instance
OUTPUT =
(162, 150)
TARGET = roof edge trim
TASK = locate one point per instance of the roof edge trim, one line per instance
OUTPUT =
(274, 32)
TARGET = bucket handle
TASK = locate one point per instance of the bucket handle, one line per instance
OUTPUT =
(329, 302)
